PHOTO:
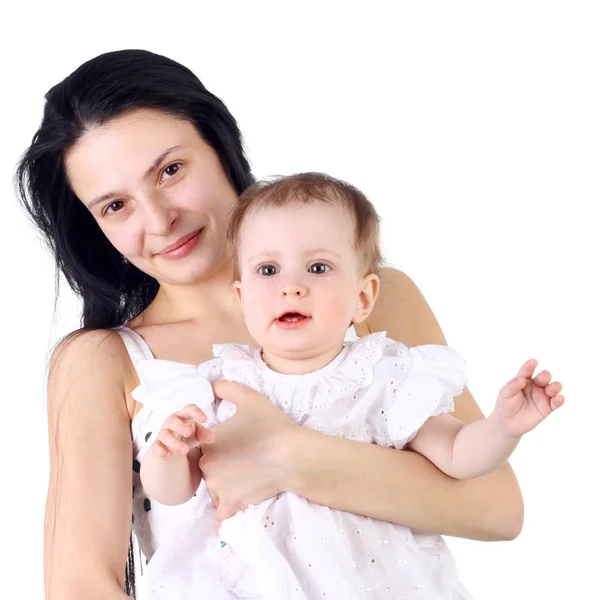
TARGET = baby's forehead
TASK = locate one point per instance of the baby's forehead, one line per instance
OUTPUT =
(299, 210)
(301, 228)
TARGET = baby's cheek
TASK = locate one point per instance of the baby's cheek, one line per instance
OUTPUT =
(256, 307)
(339, 306)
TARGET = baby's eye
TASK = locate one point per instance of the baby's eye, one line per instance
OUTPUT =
(114, 207)
(268, 270)
(319, 268)
(170, 170)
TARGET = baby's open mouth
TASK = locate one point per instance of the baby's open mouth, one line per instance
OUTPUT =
(292, 317)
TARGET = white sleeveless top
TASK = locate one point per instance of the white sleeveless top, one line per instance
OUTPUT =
(153, 521)
(376, 390)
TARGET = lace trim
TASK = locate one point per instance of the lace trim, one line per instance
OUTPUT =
(289, 392)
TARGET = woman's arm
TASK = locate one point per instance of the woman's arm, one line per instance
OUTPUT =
(402, 486)
(88, 510)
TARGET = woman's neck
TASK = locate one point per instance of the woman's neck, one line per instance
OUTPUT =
(198, 301)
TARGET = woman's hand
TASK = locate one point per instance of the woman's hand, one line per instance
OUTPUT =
(247, 462)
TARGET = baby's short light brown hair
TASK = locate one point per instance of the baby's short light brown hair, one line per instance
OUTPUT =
(305, 188)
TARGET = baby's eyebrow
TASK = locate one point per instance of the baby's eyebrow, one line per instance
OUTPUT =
(274, 254)
(262, 256)
(322, 251)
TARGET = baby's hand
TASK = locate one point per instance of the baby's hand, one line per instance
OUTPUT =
(525, 401)
(181, 432)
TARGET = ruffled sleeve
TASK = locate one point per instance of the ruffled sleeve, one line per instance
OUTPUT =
(419, 383)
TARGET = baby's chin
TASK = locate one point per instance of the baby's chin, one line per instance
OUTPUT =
(295, 349)
(315, 352)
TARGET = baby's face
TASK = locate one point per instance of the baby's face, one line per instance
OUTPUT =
(301, 278)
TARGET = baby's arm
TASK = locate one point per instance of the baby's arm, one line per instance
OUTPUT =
(466, 451)
(170, 472)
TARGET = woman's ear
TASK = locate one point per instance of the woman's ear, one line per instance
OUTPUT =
(369, 289)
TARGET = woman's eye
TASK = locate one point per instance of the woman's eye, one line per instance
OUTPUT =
(319, 268)
(170, 171)
(114, 207)
(268, 270)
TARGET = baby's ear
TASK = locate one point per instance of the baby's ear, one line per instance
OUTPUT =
(369, 289)
(237, 288)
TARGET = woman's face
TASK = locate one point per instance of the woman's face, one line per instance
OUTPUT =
(158, 192)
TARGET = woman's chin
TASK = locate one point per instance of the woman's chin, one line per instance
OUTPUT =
(190, 272)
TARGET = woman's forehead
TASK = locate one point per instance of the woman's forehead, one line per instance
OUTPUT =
(122, 150)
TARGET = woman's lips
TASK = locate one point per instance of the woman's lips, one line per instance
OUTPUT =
(181, 247)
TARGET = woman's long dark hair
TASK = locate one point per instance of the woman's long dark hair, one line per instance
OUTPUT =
(112, 290)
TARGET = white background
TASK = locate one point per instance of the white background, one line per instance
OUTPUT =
(475, 129)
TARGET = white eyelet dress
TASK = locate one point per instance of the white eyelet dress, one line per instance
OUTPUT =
(376, 390)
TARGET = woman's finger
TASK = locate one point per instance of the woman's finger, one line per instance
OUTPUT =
(235, 392)
(557, 402)
(204, 435)
(214, 499)
(224, 511)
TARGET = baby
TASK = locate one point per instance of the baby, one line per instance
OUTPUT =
(306, 258)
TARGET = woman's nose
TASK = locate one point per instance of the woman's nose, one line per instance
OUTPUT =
(159, 217)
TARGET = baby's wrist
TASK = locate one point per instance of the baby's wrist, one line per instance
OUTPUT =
(500, 426)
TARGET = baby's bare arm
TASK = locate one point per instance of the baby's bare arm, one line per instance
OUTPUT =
(171, 482)
(407, 487)
(170, 470)
(461, 450)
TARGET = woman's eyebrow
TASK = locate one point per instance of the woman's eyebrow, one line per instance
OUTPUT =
(157, 162)
(154, 165)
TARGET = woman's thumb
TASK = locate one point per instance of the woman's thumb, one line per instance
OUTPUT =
(232, 391)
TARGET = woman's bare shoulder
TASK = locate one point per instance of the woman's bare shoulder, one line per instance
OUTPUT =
(88, 360)
(402, 311)
(84, 346)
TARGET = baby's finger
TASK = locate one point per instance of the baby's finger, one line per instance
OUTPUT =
(512, 387)
(553, 389)
(167, 438)
(557, 402)
(192, 411)
(160, 450)
(527, 368)
(176, 424)
(543, 378)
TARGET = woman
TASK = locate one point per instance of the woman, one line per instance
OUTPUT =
(130, 178)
